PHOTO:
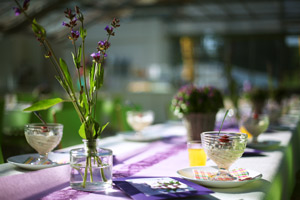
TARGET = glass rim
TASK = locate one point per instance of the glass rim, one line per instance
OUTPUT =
(194, 142)
(49, 125)
(235, 136)
(140, 111)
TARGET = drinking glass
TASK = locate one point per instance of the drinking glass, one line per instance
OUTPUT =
(224, 148)
(255, 125)
(139, 120)
(43, 138)
(197, 155)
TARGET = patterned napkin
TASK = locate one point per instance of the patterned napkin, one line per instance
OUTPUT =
(240, 173)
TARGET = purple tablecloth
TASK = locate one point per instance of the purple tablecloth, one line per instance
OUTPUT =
(156, 159)
(160, 158)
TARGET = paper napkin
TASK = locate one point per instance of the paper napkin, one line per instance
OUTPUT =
(240, 173)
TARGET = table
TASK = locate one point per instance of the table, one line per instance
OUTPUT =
(163, 158)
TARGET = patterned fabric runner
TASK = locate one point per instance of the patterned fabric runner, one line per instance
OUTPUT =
(174, 145)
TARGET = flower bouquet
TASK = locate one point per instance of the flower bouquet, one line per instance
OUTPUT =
(83, 161)
(198, 107)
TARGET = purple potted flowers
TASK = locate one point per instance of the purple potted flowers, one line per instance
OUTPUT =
(198, 107)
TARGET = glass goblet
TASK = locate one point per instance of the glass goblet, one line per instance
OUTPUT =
(43, 138)
(224, 149)
(139, 120)
(256, 125)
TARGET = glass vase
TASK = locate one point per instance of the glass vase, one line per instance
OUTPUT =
(91, 167)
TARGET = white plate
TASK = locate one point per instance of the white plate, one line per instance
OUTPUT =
(188, 174)
(144, 137)
(59, 158)
(264, 145)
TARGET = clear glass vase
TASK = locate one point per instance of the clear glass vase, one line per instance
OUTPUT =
(91, 167)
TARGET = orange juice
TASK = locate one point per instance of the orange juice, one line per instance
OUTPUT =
(197, 157)
(244, 130)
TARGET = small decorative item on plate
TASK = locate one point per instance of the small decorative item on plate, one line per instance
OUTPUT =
(43, 138)
(205, 175)
(154, 188)
(139, 120)
(224, 148)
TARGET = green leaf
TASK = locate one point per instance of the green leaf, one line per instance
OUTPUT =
(82, 131)
(92, 81)
(82, 33)
(62, 83)
(38, 29)
(44, 104)
(96, 128)
(66, 72)
(78, 60)
(74, 59)
(84, 103)
(99, 76)
(102, 129)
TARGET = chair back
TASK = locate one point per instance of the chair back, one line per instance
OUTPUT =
(1, 127)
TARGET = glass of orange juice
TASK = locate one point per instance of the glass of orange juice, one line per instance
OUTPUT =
(197, 156)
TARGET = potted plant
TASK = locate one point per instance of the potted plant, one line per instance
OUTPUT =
(91, 166)
(198, 107)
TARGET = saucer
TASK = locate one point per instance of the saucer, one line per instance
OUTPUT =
(144, 137)
(187, 173)
(57, 159)
(264, 145)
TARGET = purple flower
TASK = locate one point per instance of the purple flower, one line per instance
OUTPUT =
(211, 93)
(69, 14)
(106, 28)
(96, 57)
(110, 30)
(17, 11)
(65, 24)
(180, 98)
(77, 10)
(115, 23)
(26, 4)
(73, 22)
(75, 34)
(103, 45)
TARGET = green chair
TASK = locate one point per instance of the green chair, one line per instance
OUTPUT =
(1, 128)
(119, 114)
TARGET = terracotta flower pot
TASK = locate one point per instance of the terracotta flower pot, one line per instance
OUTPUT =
(196, 123)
